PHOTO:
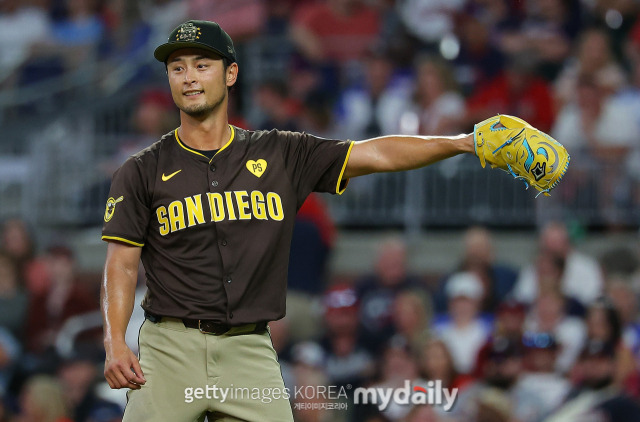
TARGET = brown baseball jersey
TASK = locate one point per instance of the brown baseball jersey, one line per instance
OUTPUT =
(215, 233)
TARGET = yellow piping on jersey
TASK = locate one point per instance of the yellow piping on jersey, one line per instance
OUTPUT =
(344, 166)
(233, 135)
(120, 239)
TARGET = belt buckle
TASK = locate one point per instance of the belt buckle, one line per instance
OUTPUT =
(209, 328)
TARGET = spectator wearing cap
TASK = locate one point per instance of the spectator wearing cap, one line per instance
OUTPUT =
(548, 315)
(346, 360)
(463, 330)
(500, 366)
(540, 389)
(597, 397)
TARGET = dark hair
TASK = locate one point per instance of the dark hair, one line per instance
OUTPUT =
(612, 316)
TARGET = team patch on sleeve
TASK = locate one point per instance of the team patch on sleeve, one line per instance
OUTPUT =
(111, 208)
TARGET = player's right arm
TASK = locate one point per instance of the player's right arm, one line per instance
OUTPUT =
(122, 369)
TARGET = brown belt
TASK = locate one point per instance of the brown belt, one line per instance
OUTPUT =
(207, 326)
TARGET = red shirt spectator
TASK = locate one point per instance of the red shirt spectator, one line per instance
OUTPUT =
(519, 94)
(338, 30)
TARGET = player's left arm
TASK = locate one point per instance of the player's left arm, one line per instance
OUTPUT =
(398, 152)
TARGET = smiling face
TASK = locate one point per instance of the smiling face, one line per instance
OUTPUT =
(199, 81)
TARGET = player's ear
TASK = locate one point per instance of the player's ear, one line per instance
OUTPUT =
(232, 74)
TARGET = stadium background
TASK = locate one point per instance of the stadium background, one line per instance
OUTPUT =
(80, 91)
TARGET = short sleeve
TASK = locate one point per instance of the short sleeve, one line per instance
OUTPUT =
(315, 164)
(127, 211)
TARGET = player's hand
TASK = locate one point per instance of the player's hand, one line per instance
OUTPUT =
(121, 368)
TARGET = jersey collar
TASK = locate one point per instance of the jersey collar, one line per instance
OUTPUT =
(233, 135)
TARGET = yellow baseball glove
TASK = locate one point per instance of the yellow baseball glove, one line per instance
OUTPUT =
(523, 151)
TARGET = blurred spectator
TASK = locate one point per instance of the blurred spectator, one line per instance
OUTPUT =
(313, 238)
(397, 366)
(316, 116)
(42, 400)
(13, 298)
(596, 123)
(594, 59)
(240, 19)
(125, 32)
(9, 353)
(430, 21)
(79, 376)
(436, 364)
(77, 36)
(371, 106)
(22, 25)
(492, 398)
(436, 107)
(479, 258)
(479, 61)
(334, 30)
(463, 331)
(597, 397)
(540, 389)
(346, 361)
(412, 313)
(547, 32)
(275, 106)
(17, 242)
(377, 292)
(517, 91)
(603, 130)
(548, 315)
(66, 297)
(581, 279)
(625, 301)
(154, 115)
(604, 324)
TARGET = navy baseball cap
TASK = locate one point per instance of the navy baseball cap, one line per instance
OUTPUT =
(197, 34)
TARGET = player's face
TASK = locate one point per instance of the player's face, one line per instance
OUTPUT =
(199, 81)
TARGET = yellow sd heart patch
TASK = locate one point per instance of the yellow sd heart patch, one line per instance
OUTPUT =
(257, 167)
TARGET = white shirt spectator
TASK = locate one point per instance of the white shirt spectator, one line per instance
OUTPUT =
(582, 280)
(19, 31)
(571, 334)
(464, 342)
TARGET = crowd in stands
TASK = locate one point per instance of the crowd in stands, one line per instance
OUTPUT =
(362, 68)
(555, 340)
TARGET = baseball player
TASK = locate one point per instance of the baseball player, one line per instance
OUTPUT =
(210, 210)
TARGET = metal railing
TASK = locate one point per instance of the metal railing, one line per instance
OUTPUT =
(66, 187)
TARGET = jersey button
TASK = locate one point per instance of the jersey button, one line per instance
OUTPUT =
(214, 183)
(230, 315)
(229, 280)
(224, 243)
(213, 168)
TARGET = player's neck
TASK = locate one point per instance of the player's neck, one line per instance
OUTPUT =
(209, 134)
